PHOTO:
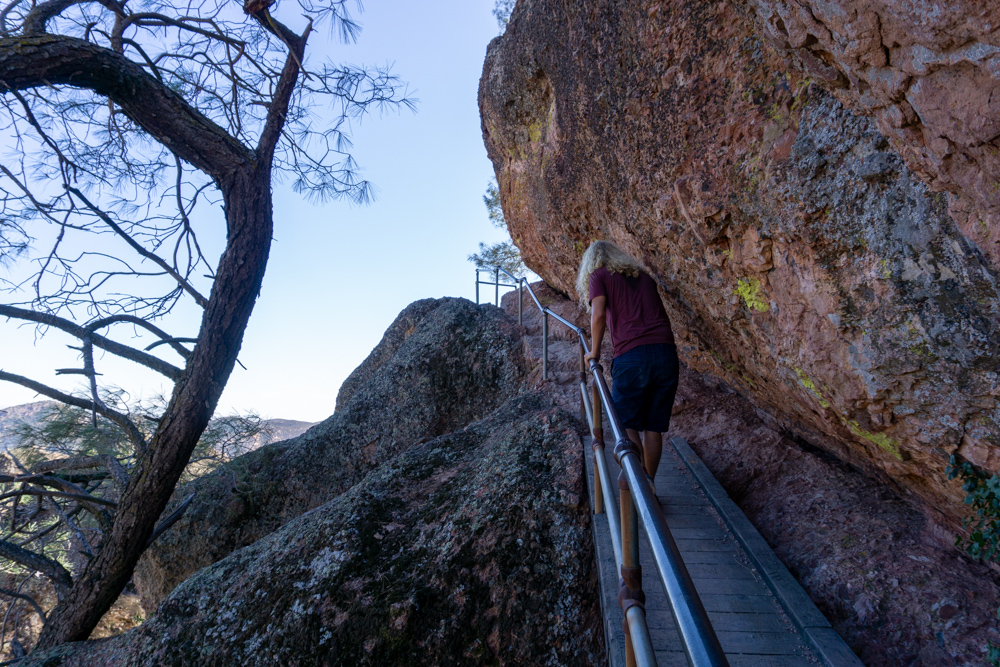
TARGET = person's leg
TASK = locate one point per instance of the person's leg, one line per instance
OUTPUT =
(627, 392)
(661, 392)
(652, 449)
(634, 436)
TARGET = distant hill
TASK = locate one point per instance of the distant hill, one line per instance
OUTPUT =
(13, 416)
(283, 429)
(10, 418)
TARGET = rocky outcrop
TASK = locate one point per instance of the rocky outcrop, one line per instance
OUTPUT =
(441, 365)
(472, 548)
(800, 257)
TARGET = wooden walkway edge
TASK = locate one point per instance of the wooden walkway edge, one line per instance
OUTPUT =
(761, 614)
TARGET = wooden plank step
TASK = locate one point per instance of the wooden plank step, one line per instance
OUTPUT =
(722, 621)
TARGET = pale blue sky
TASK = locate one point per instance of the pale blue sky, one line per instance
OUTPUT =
(339, 274)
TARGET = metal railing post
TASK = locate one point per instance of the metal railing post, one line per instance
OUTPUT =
(496, 281)
(598, 433)
(477, 287)
(545, 345)
(630, 590)
(520, 302)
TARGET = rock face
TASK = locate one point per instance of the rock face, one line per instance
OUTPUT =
(929, 74)
(441, 365)
(800, 257)
(472, 548)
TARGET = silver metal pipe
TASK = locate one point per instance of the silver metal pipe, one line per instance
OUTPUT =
(697, 635)
(508, 274)
(565, 321)
(610, 507)
(534, 298)
(602, 387)
(496, 279)
(545, 344)
(477, 287)
(642, 643)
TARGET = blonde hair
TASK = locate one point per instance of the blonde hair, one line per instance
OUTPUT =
(603, 254)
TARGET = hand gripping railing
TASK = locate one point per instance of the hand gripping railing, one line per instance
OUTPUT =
(637, 506)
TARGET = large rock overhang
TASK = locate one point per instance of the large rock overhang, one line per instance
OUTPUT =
(801, 250)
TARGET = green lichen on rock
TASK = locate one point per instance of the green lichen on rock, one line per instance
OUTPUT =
(807, 382)
(749, 290)
(884, 442)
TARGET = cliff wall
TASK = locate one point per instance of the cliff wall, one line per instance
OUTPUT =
(800, 245)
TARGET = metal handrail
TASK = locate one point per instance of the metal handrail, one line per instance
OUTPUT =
(638, 506)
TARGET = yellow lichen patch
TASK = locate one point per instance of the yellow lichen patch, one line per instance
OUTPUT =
(883, 441)
(535, 131)
(886, 272)
(807, 382)
(728, 366)
(748, 289)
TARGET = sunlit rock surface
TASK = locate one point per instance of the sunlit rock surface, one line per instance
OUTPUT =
(799, 256)
(473, 548)
(441, 365)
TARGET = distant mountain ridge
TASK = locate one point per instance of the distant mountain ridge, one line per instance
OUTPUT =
(12, 417)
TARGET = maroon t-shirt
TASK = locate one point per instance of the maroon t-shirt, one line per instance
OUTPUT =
(635, 312)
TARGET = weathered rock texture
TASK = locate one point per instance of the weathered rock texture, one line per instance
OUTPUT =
(930, 74)
(799, 256)
(441, 365)
(470, 549)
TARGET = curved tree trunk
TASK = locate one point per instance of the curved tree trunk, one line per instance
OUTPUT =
(195, 396)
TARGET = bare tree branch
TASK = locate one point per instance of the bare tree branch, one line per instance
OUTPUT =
(153, 257)
(81, 497)
(133, 432)
(27, 598)
(114, 347)
(45, 60)
(56, 573)
(71, 463)
(174, 517)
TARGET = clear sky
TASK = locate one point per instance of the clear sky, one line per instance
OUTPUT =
(339, 274)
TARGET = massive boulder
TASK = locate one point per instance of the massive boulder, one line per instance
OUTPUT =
(473, 548)
(800, 257)
(441, 365)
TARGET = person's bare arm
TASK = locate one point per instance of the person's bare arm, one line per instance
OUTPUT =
(597, 325)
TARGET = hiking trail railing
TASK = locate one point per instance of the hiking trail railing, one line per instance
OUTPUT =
(637, 505)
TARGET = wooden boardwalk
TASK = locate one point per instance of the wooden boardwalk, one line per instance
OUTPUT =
(762, 616)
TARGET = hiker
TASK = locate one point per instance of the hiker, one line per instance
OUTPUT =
(644, 367)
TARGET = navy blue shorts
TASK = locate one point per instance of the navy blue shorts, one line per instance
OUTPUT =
(644, 382)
